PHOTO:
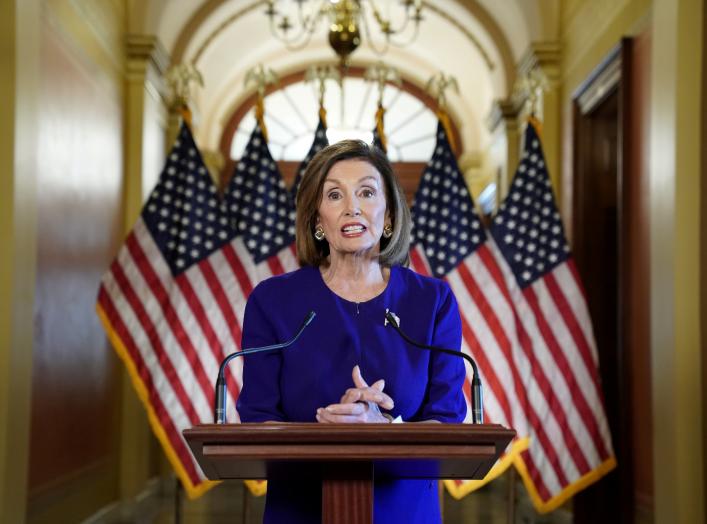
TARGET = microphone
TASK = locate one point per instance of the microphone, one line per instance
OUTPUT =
(220, 402)
(477, 401)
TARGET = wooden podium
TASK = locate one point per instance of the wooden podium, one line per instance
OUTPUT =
(346, 457)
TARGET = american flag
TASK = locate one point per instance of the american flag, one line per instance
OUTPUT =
(261, 208)
(320, 142)
(570, 444)
(172, 301)
(524, 320)
(450, 242)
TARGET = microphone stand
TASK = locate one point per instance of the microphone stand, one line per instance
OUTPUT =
(477, 411)
(220, 402)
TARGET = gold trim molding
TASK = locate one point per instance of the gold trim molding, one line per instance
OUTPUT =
(507, 110)
(144, 50)
(543, 56)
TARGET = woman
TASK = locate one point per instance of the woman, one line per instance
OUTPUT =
(353, 237)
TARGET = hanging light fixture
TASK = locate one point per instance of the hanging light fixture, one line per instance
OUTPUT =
(295, 21)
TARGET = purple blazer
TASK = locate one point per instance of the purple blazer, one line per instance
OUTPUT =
(291, 384)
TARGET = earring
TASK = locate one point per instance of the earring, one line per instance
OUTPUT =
(388, 231)
(319, 233)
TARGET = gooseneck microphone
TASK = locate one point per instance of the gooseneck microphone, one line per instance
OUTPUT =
(477, 402)
(220, 403)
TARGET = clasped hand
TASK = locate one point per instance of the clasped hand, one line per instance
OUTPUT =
(360, 404)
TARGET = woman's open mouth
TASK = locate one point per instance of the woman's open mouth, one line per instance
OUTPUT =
(353, 230)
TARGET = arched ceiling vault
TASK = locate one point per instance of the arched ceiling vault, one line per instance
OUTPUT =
(479, 42)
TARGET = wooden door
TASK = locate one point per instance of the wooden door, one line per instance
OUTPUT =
(610, 242)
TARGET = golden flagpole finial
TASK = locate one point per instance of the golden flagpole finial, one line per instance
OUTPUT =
(180, 78)
(320, 74)
(261, 78)
(437, 87)
(532, 85)
(382, 74)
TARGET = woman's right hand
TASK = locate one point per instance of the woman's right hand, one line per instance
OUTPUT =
(361, 403)
(362, 392)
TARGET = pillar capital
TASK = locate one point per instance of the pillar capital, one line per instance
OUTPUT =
(506, 112)
(543, 57)
(540, 65)
(144, 52)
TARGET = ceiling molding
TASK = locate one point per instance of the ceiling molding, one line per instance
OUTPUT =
(477, 11)
(498, 37)
(143, 49)
(544, 56)
(187, 32)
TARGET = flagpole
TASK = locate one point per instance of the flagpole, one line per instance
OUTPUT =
(511, 496)
(177, 501)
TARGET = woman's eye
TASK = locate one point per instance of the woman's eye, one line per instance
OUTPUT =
(334, 195)
(368, 193)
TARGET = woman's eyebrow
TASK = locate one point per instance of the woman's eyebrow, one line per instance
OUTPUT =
(336, 182)
(368, 177)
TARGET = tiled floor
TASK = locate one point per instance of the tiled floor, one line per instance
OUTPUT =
(229, 503)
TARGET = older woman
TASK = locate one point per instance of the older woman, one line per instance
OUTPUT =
(353, 236)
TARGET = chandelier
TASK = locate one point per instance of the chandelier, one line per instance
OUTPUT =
(295, 21)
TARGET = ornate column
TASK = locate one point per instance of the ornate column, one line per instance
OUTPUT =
(145, 114)
(20, 24)
(678, 124)
(542, 59)
(504, 122)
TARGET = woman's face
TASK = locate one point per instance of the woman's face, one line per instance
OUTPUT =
(353, 208)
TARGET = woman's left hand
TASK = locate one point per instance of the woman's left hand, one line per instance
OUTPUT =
(360, 404)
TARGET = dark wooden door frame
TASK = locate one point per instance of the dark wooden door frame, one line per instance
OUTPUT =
(611, 77)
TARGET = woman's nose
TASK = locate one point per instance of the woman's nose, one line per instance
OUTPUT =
(352, 206)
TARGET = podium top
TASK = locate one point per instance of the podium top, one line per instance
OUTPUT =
(417, 450)
(358, 433)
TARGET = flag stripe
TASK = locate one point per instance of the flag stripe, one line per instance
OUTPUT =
(581, 382)
(293, 250)
(275, 266)
(575, 331)
(184, 316)
(418, 262)
(154, 341)
(540, 395)
(488, 309)
(550, 413)
(572, 395)
(179, 348)
(226, 318)
(169, 316)
(238, 269)
(567, 277)
(167, 407)
(536, 475)
(224, 305)
(490, 322)
(178, 444)
(489, 377)
(288, 259)
(419, 265)
(212, 341)
(229, 330)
